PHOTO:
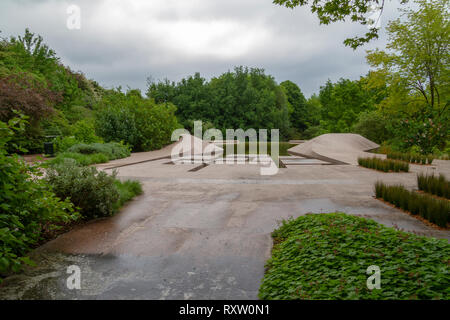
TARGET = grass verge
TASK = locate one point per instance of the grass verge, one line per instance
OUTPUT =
(127, 190)
(326, 256)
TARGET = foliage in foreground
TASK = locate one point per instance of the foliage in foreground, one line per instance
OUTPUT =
(340, 10)
(95, 193)
(428, 207)
(27, 204)
(438, 186)
(325, 256)
(385, 165)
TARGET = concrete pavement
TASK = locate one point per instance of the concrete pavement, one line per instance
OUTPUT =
(202, 234)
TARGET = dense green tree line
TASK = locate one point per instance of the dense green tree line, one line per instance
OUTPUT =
(62, 103)
(243, 98)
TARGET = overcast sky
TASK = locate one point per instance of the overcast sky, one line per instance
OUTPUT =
(122, 42)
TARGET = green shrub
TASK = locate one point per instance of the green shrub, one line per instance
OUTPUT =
(93, 192)
(83, 148)
(326, 256)
(385, 165)
(372, 125)
(27, 204)
(113, 150)
(428, 207)
(438, 186)
(64, 143)
(118, 123)
(84, 131)
(138, 122)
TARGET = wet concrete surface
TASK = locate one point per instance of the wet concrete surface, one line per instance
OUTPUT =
(202, 234)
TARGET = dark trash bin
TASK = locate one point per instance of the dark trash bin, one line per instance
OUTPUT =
(48, 148)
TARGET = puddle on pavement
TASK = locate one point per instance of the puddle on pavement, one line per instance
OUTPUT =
(130, 277)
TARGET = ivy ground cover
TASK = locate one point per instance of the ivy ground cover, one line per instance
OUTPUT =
(326, 256)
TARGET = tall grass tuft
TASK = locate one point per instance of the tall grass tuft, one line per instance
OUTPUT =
(410, 157)
(127, 190)
(438, 186)
(428, 207)
(385, 165)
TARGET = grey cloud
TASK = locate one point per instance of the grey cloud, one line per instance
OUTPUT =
(123, 47)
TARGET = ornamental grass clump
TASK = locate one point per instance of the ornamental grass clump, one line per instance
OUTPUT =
(411, 157)
(384, 165)
(427, 206)
(438, 186)
(28, 205)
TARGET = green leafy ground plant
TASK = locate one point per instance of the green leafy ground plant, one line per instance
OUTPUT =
(27, 204)
(326, 256)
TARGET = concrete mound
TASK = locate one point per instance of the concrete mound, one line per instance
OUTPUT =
(197, 147)
(337, 148)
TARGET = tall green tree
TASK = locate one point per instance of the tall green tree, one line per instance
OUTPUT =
(329, 11)
(297, 105)
(415, 67)
(342, 102)
(418, 51)
(242, 98)
(135, 120)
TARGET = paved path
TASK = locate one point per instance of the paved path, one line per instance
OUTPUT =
(203, 234)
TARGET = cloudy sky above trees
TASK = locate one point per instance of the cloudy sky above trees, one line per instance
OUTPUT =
(124, 42)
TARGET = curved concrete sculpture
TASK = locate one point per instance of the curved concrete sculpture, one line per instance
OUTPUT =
(194, 146)
(336, 148)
